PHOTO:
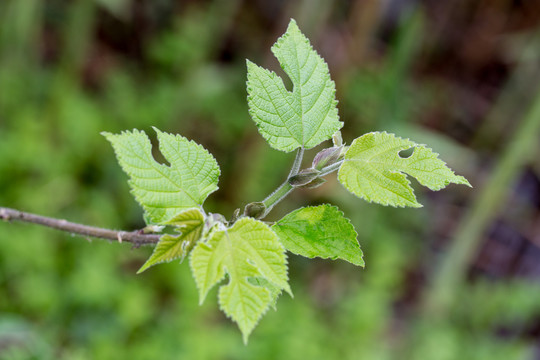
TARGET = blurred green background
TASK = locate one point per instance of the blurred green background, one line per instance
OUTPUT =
(457, 279)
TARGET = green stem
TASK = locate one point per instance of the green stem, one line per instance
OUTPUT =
(285, 188)
(297, 162)
(279, 194)
(331, 168)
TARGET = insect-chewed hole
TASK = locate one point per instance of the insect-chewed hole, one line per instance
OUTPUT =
(157, 155)
(407, 153)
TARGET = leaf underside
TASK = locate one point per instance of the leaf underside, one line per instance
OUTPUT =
(171, 247)
(304, 117)
(373, 170)
(165, 190)
(252, 256)
(319, 231)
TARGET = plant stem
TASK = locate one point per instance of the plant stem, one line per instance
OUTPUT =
(331, 168)
(285, 188)
(134, 237)
(279, 194)
(297, 162)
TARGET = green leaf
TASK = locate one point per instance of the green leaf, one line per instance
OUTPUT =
(374, 170)
(165, 190)
(247, 250)
(274, 290)
(319, 231)
(171, 247)
(304, 117)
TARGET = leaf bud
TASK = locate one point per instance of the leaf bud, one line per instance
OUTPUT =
(304, 177)
(326, 157)
(315, 183)
(255, 210)
(235, 216)
(337, 139)
(213, 219)
(217, 218)
(151, 229)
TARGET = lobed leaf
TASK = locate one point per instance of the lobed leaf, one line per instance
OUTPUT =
(373, 170)
(251, 254)
(304, 117)
(165, 190)
(319, 231)
(171, 247)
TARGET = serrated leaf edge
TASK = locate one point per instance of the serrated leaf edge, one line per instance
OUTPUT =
(135, 131)
(292, 29)
(149, 262)
(204, 293)
(416, 204)
(344, 217)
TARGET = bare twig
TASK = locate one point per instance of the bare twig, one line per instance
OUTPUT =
(135, 237)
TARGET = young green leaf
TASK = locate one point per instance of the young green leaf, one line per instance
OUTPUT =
(373, 170)
(319, 231)
(165, 190)
(171, 247)
(304, 117)
(274, 290)
(247, 250)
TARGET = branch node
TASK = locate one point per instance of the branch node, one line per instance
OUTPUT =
(119, 236)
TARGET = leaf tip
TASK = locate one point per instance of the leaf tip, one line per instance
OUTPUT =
(463, 181)
(157, 130)
(143, 268)
(360, 263)
(288, 290)
(245, 337)
(292, 24)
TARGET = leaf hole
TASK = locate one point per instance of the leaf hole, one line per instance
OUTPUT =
(407, 153)
(287, 82)
(156, 154)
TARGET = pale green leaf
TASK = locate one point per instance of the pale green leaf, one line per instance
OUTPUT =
(274, 290)
(247, 250)
(319, 231)
(304, 117)
(373, 170)
(170, 247)
(165, 190)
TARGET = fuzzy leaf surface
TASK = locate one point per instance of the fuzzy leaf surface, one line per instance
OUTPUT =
(373, 170)
(247, 251)
(165, 190)
(319, 231)
(304, 117)
(171, 247)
